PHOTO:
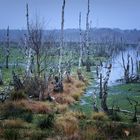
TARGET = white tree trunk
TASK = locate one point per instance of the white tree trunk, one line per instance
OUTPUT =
(81, 51)
(87, 38)
(7, 49)
(27, 45)
(61, 40)
(87, 27)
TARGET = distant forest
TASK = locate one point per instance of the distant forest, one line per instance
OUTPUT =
(96, 35)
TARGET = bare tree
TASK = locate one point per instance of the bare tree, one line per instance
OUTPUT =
(37, 45)
(7, 49)
(137, 64)
(87, 38)
(28, 48)
(104, 89)
(126, 68)
(80, 42)
(1, 78)
(61, 40)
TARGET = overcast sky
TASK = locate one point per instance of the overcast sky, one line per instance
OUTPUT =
(124, 14)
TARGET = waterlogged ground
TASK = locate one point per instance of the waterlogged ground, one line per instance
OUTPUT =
(117, 96)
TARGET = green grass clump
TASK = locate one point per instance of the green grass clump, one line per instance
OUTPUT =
(11, 134)
(18, 95)
(46, 122)
(100, 116)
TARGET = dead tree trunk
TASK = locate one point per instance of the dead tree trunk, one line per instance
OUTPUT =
(101, 87)
(17, 82)
(137, 65)
(61, 48)
(1, 81)
(29, 67)
(97, 71)
(135, 104)
(80, 42)
(80, 76)
(61, 40)
(103, 90)
(7, 49)
(126, 68)
(132, 68)
(87, 39)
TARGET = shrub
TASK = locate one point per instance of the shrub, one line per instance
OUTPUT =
(31, 86)
(28, 117)
(18, 95)
(115, 117)
(100, 116)
(47, 122)
(11, 134)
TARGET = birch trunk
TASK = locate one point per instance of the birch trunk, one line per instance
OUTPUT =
(87, 38)
(7, 49)
(81, 52)
(27, 45)
(61, 40)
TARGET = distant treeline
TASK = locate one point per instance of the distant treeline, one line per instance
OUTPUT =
(97, 35)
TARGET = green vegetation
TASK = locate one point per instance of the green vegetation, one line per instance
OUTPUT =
(71, 115)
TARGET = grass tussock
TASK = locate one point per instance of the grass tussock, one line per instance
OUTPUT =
(65, 99)
(76, 96)
(18, 95)
(14, 123)
(72, 92)
(90, 133)
(77, 114)
(61, 108)
(100, 116)
(26, 105)
(37, 107)
(66, 124)
(11, 134)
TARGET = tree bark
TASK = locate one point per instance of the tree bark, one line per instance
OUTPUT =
(61, 41)
(7, 49)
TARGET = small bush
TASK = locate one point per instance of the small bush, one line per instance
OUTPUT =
(11, 134)
(18, 95)
(28, 117)
(115, 117)
(100, 116)
(47, 122)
